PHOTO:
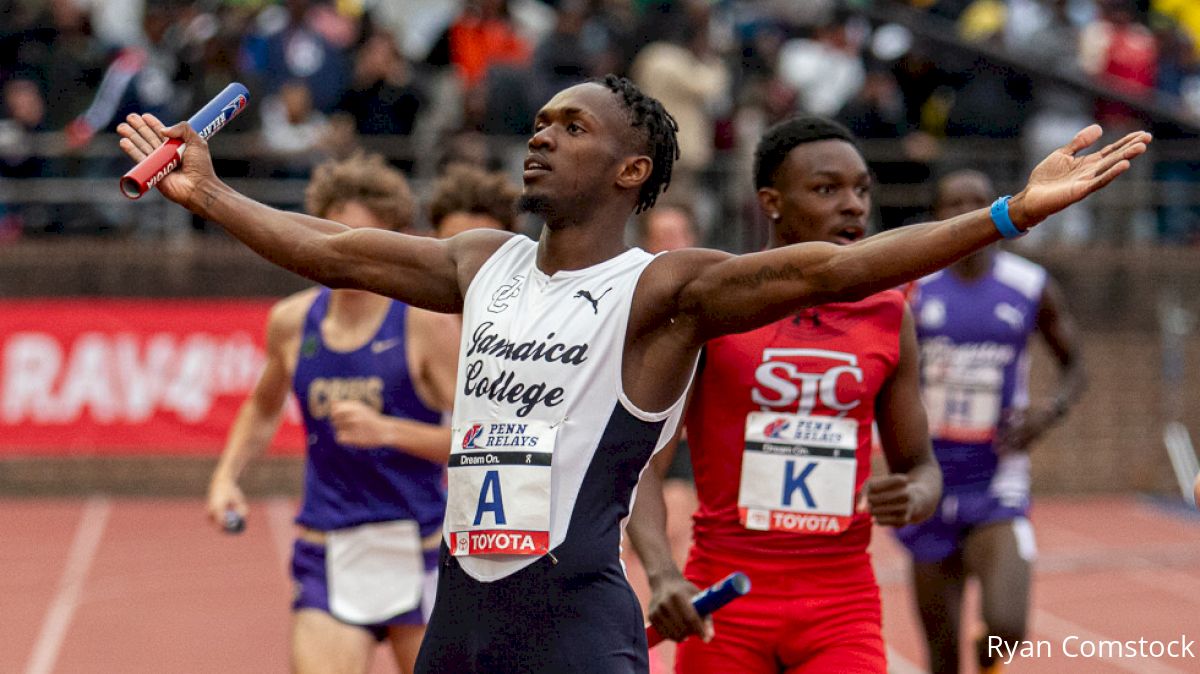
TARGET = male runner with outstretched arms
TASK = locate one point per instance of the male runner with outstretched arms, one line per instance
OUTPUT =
(577, 351)
(781, 425)
(974, 323)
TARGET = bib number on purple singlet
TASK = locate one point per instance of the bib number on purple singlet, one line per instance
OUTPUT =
(963, 404)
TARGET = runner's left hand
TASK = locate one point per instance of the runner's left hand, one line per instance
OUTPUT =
(1022, 427)
(356, 425)
(889, 499)
(1067, 176)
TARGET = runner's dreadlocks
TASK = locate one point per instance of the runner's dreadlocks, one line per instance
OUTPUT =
(659, 128)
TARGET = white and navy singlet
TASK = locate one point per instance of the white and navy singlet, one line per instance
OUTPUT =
(546, 454)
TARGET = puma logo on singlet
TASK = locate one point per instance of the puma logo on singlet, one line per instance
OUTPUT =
(594, 302)
(1011, 315)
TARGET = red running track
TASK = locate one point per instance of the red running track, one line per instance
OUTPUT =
(132, 586)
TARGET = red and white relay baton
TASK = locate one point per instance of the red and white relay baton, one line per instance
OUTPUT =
(166, 158)
(710, 599)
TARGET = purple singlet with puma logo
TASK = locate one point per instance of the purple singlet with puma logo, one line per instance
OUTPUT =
(974, 371)
(974, 364)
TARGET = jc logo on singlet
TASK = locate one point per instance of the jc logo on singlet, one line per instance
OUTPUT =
(805, 381)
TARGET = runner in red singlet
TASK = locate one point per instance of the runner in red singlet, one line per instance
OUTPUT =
(780, 425)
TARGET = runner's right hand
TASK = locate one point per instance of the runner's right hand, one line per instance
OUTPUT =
(224, 495)
(141, 134)
(672, 613)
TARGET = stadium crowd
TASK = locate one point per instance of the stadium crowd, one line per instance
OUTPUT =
(428, 82)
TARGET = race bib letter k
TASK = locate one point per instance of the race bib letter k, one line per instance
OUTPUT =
(792, 482)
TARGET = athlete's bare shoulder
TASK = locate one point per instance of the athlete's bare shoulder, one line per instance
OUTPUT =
(470, 249)
(286, 319)
(673, 270)
(658, 292)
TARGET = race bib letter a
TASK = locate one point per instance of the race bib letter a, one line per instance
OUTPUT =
(490, 499)
(793, 481)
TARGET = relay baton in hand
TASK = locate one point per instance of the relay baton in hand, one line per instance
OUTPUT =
(233, 523)
(714, 597)
(166, 158)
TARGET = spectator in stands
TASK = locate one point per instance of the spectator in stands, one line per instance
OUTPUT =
(293, 131)
(148, 75)
(22, 114)
(285, 46)
(1050, 41)
(1178, 216)
(483, 36)
(991, 99)
(1121, 53)
(687, 76)
(563, 59)
(1186, 14)
(825, 71)
(69, 61)
(877, 109)
(383, 98)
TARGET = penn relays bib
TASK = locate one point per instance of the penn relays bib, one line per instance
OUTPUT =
(542, 428)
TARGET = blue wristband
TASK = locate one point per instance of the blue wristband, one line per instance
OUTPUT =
(1001, 219)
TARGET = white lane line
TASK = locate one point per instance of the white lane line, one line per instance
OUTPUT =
(70, 586)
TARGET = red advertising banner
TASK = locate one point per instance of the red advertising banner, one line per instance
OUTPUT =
(104, 376)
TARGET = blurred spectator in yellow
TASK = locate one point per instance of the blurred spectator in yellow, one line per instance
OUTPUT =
(1186, 13)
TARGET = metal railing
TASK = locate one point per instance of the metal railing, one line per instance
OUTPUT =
(80, 186)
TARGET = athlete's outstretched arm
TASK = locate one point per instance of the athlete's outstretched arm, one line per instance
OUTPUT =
(728, 294)
(911, 492)
(422, 271)
(258, 418)
(670, 611)
(1057, 328)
